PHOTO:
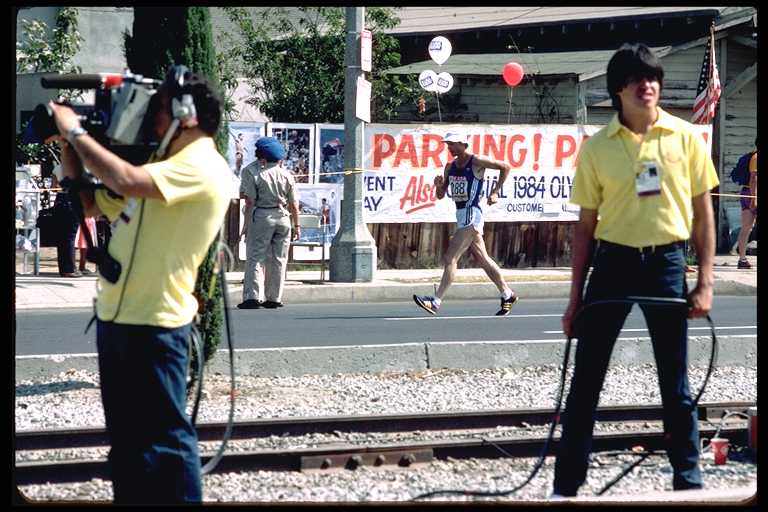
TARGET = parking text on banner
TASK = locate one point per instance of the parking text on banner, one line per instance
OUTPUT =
(401, 163)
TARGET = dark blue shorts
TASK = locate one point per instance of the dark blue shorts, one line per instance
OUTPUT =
(745, 201)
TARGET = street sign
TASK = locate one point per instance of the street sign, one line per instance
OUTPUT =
(366, 43)
(363, 106)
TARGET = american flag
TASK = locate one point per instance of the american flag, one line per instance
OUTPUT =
(708, 91)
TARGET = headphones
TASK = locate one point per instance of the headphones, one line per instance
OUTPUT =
(182, 104)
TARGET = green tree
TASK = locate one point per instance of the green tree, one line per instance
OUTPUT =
(228, 71)
(162, 37)
(39, 52)
(166, 36)
(299, 76)
(36, 52)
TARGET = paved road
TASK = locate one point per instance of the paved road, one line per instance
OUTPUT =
(306, 325)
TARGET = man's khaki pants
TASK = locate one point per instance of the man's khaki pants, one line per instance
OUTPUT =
(269, 237)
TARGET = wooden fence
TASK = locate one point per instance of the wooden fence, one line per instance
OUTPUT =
(510, 244)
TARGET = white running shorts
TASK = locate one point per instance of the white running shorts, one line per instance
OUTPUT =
(470, 216)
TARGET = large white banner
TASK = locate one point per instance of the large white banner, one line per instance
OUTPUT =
(401, 163)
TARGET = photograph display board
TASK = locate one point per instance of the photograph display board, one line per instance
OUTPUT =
(240, 148)
(329, 149)
(299, 142)
(242, 139)
(323, 199)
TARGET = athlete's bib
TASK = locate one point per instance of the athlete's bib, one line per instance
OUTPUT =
(459, 188)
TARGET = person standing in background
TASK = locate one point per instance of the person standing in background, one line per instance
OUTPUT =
(272, 202)
(68, 225)
(748, 210)
(82, 243)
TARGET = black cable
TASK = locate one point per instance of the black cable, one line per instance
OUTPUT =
(130, 261)
(228, 432)
(196, 345)
(542, 455)
(712, 361)
(624, 473)
(651, 301)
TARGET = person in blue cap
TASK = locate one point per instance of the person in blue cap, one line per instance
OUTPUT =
(271, 209)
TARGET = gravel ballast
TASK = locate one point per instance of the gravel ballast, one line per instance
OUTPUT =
(71, 399)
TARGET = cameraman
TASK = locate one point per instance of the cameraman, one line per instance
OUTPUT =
(170, 213)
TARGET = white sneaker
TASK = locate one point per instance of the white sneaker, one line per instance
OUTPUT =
(557, 497)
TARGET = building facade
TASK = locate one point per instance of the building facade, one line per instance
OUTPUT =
(563, 50)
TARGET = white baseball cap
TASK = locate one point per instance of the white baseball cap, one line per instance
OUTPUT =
(456, 137)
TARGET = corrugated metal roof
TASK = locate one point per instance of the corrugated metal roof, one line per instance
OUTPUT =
(434, 20)
(534, 64)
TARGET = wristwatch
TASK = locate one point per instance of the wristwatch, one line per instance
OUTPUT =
(75, 132)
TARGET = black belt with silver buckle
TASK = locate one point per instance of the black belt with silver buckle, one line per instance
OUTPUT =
(646, 250)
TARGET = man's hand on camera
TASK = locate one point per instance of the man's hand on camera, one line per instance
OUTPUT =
(65, 118)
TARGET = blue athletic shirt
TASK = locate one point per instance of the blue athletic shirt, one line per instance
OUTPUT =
(464, 185)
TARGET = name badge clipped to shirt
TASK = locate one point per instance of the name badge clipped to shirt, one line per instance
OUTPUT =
(648, 182)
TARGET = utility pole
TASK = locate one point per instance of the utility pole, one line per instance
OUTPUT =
(353, 250)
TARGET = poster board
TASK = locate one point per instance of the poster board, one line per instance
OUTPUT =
(299, 142)
(329, 151)
(240, 148)
(322, 199)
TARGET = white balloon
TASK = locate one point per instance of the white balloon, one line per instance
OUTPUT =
(428, 80)
(439, 49)
(444, 82)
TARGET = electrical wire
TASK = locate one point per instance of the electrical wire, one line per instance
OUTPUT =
(544, 450)
(650, 301)
(196, 346)
(228, 432)
(720, 426)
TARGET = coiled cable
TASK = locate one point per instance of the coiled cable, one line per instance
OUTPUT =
(650, 301)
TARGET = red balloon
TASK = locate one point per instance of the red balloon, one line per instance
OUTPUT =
(513, 73)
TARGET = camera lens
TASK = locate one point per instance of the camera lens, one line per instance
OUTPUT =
(40, 126)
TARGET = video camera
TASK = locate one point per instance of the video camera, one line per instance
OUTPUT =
(116, 119)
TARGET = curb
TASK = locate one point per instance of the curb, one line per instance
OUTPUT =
(294, 362)
(56, 293)
(387, 291)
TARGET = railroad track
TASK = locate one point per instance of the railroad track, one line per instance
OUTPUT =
(351, 456)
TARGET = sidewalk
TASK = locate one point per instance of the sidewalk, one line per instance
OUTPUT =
(48, 290)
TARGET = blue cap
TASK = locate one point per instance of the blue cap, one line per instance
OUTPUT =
(270, 149)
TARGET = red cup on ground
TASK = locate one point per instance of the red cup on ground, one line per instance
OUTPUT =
(719, 449)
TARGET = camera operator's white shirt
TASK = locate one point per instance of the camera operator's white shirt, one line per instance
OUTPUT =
(174, 237)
